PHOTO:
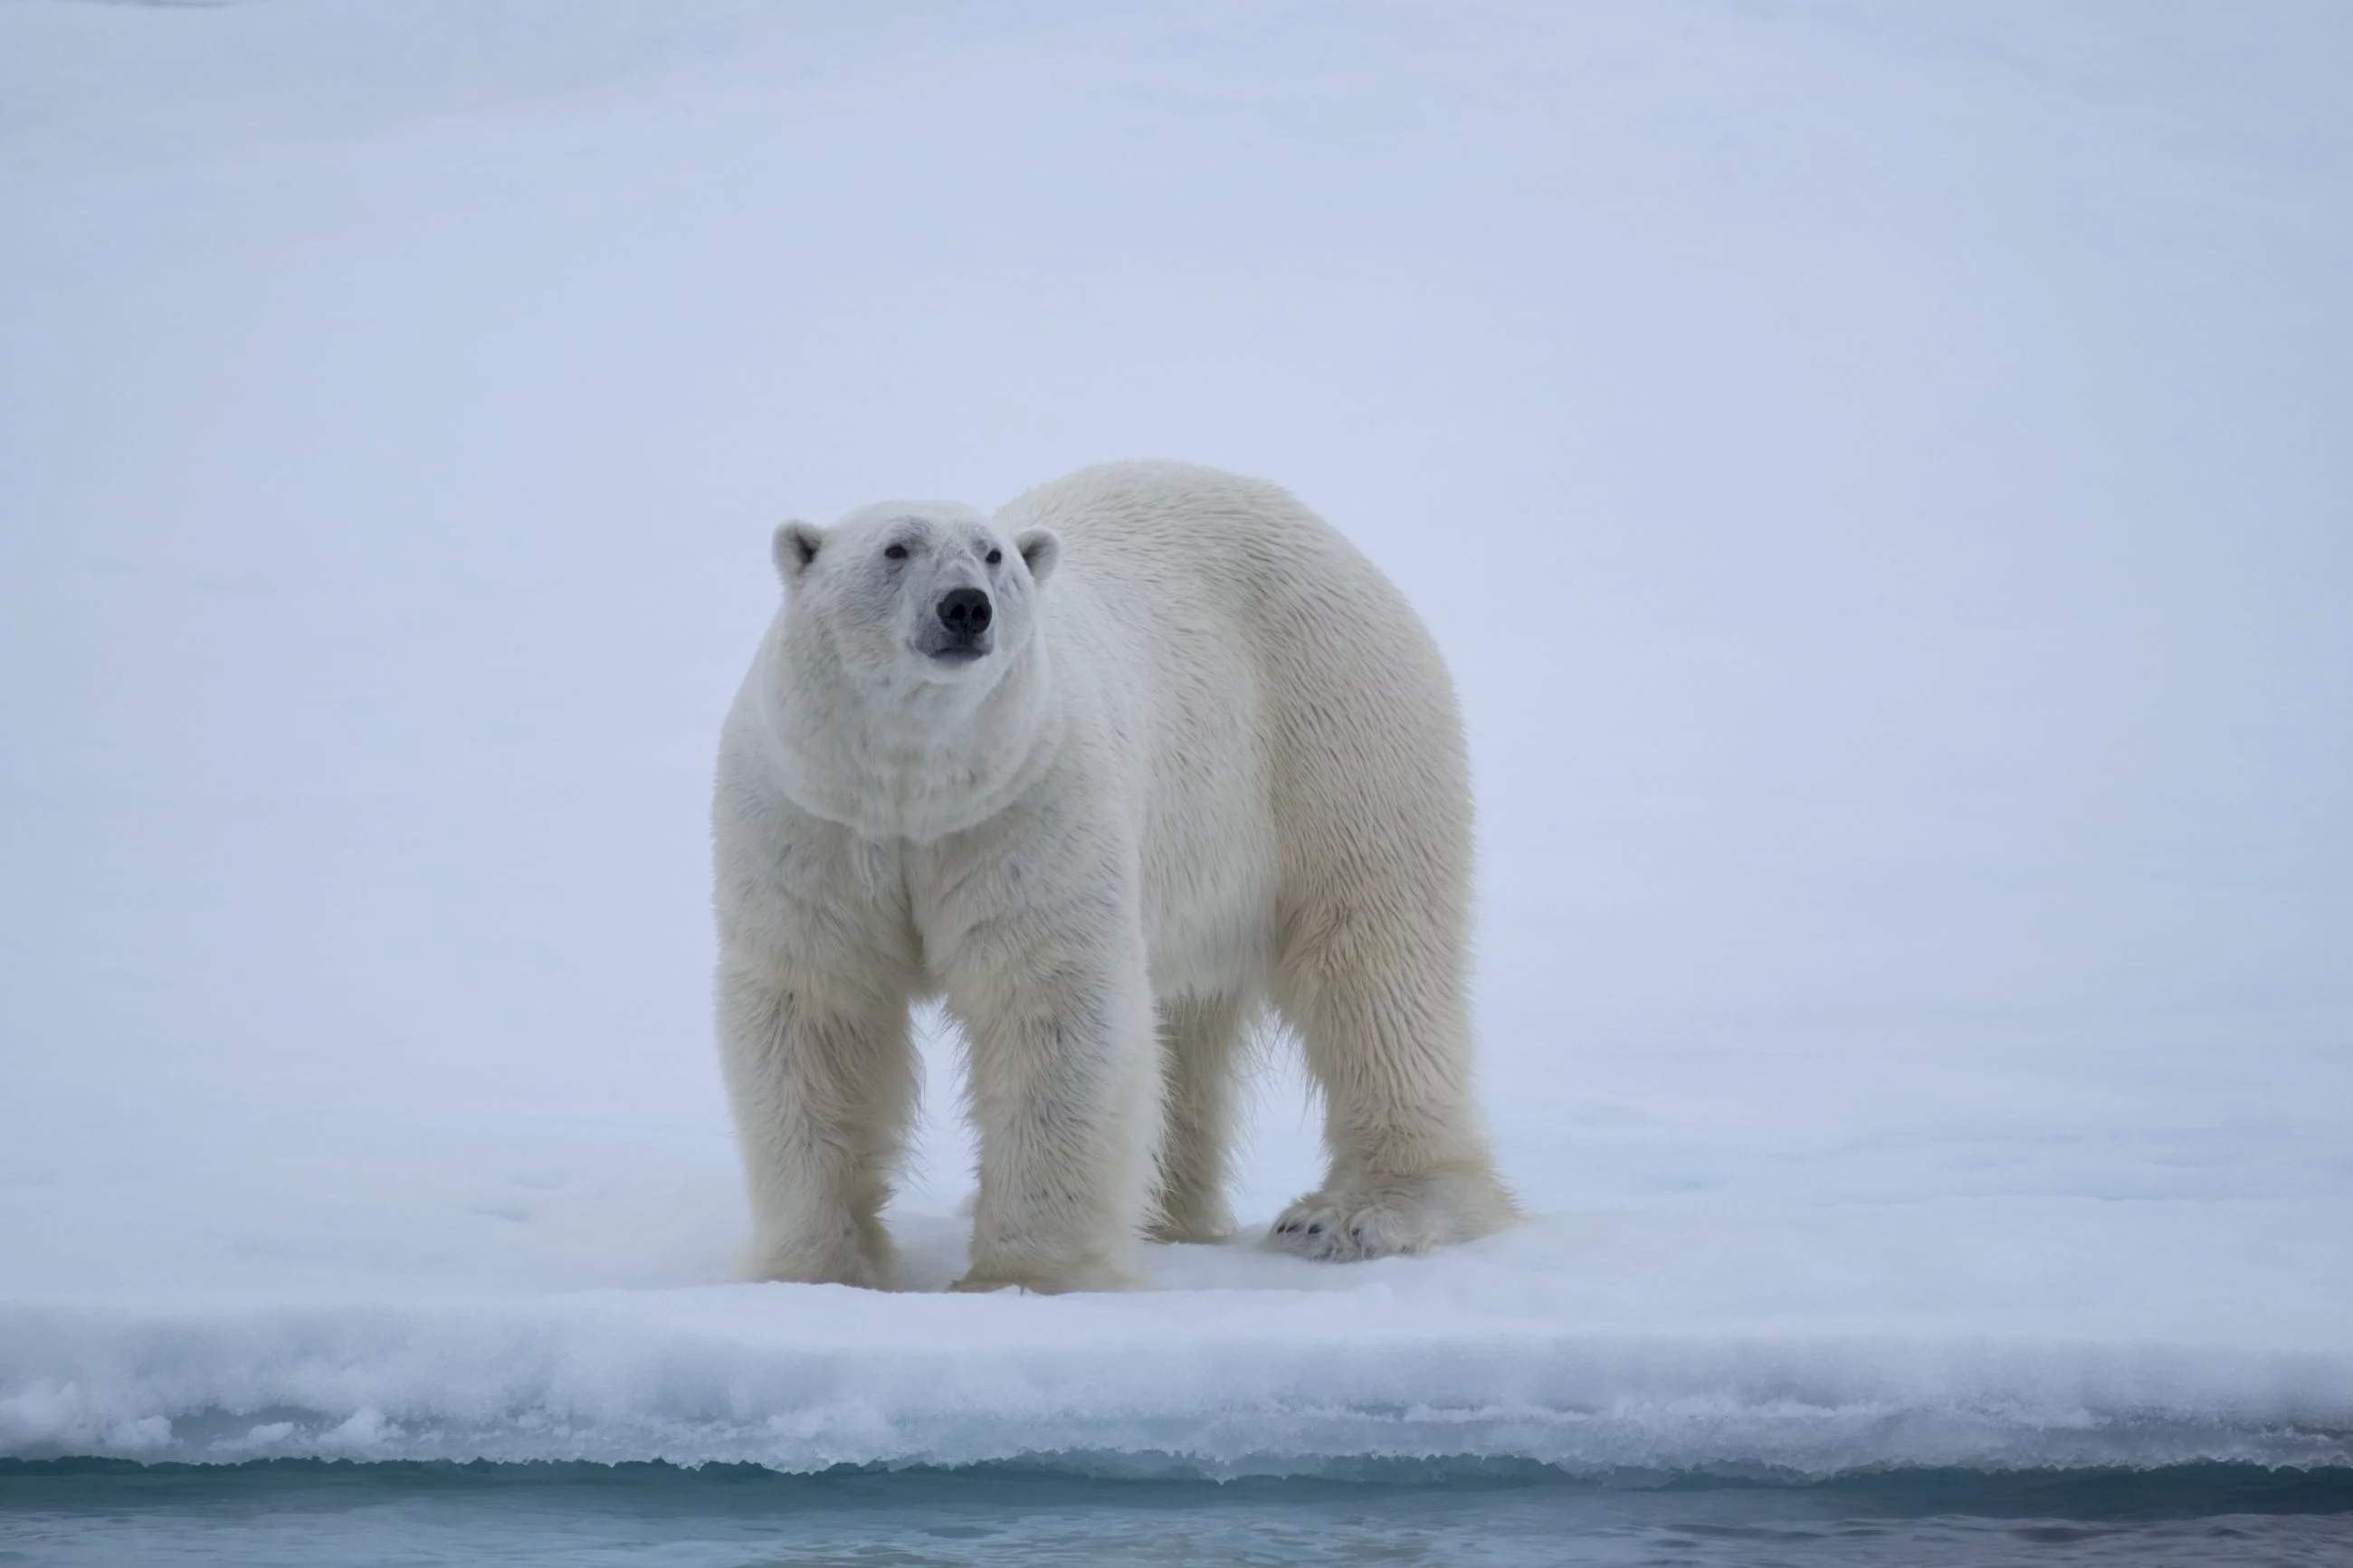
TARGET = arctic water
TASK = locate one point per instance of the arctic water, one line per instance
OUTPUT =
(74, 1511)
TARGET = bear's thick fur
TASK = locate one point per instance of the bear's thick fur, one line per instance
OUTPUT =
(1153, 748)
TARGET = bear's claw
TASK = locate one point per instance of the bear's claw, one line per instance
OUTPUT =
(1393, 1216)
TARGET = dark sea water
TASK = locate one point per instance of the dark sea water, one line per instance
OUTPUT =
(414, 1515)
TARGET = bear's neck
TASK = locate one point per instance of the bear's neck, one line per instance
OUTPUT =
(915, 761)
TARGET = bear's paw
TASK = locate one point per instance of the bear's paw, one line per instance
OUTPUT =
(1388, 1217)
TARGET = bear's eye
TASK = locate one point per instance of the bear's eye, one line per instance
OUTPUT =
(897, 552)
(995, 556)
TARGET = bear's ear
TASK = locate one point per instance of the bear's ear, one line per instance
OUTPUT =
(1041, 547)
(795, 547)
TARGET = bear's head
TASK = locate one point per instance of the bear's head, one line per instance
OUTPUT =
(930, 592)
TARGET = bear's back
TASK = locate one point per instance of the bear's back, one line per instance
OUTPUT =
(1278, 694)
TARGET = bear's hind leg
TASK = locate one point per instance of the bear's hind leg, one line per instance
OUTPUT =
(1388, 1038)
(823, 1089)
(1200, 1043)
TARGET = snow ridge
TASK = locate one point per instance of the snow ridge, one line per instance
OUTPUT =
(800, 1379)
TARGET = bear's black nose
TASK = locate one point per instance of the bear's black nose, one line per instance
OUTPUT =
(964, 612)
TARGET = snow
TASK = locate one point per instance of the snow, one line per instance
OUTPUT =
(1613, 1343)
(1914, 740)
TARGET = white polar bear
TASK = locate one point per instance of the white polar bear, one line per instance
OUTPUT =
(1150, 749)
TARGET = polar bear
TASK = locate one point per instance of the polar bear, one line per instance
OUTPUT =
(1152, 748)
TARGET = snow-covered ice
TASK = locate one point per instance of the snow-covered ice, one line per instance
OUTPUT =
(1879, 475)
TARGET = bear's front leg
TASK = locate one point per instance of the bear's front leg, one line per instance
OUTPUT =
(1065, 1093)
(821, 1080)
